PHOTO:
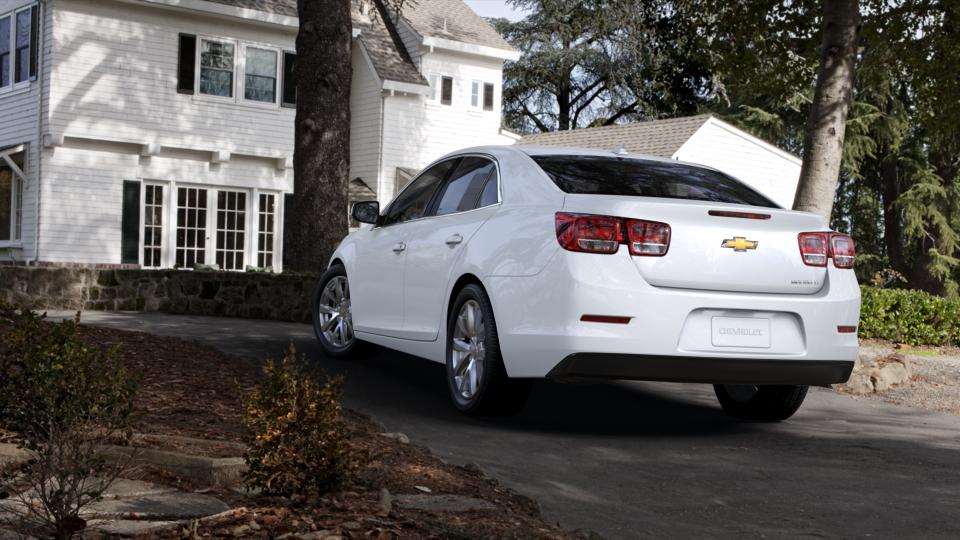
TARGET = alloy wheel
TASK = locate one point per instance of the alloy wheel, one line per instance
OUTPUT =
(333, 311)
(468, 349)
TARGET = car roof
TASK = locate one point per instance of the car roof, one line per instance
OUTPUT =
(533, 150)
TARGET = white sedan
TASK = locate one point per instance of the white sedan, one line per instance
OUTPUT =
(513, 263)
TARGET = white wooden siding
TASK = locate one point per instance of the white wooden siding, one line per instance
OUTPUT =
(770, 171)
(418, 131)
(365, 120)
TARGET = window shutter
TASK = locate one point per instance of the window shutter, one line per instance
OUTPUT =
(186, 66)
(487, 97)
(130, 224)
(289, 98)
(34, 40)
(446, 91)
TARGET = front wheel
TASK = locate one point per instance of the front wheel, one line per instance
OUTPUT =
(760, 403)
(332, 318)
(476, 375)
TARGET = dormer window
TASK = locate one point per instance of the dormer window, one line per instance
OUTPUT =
(216, 68)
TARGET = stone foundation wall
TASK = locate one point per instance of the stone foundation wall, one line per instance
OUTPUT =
(283, 297)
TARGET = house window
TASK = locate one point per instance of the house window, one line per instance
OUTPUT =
(6, 46)
(260, 75)
(265, 230)
(487, 97)
(191, 227)
(475, 94)
(216, 68)
(446, 90)
(11, 190)
(231, 225)
(18, 57)
(22, 43)
(153, 226)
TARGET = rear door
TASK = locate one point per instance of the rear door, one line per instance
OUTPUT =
(434, 245)
(377, 291)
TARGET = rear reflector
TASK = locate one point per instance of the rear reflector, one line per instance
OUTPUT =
(847, 329)
(817, 247)
(744, 215)
(605, 319)
(590, 233)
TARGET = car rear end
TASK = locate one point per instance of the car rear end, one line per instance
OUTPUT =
(678, 273)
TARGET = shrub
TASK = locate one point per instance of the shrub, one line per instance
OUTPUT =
(298, 443)
(909, 316)
(64, 400)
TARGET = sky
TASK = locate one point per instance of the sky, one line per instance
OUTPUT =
(494, 8)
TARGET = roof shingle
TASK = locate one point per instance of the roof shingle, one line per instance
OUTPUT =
(661, 138)
(451, 19)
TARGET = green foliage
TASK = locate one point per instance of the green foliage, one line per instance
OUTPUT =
(909, 316)
(64, 400)
(299, 439)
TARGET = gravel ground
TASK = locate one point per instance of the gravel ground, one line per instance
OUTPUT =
(934, 384)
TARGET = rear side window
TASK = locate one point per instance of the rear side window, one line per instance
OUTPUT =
(599, 175)
(468, 180)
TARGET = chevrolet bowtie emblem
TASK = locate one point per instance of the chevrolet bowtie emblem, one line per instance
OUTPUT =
(739, 243)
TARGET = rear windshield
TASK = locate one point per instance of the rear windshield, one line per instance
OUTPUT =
(599, 175)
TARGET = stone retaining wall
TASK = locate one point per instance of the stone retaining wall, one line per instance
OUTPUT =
(283, 297)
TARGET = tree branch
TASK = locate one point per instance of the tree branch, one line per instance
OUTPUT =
(626, 110)
(536, 121)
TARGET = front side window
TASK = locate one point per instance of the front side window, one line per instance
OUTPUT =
(22, 44)
(475, 94)
(260, 77)
(412, 201)
(216, 68)
(265, 234)
(18, 57)
(191, 227)
(598, 175)
(446, 90)
(487, 97)
(463, 191)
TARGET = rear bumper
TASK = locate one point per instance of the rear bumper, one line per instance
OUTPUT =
(641, 367)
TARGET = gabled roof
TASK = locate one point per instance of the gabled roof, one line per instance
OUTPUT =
(453, 20)
(280, 7)
(660, 138)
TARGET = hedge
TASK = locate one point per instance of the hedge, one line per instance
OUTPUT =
(907, 316)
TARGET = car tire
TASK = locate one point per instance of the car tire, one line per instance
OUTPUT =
(486, 389)
(760, 403)
(324, 299)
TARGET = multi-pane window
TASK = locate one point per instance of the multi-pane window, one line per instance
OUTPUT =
(152, 226)
(11, 190)
(191, 227)
(434, 81)
(5, 47)
(260, 75)
(216, 68)
(446, 90)
(265, 229)
(231, 225)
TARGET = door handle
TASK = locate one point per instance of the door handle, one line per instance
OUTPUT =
(399, 247)
(454, 240)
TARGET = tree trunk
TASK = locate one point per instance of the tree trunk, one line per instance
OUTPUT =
(889, 195)
(316, 214)
(823, 141)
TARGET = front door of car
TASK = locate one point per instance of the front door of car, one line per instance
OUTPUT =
(434, 245)
(377, 286)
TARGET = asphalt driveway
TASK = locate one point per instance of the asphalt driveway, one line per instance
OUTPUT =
(653, 460)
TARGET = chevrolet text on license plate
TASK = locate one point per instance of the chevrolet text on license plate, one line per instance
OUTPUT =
(740, 332)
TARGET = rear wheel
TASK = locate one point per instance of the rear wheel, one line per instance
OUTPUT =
(760, 403)
(332, 318)
(476, 376)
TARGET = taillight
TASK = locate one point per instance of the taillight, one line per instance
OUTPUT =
(648, 238)
(816, 248)
(588, 233)
(842, 251)
(603, 234)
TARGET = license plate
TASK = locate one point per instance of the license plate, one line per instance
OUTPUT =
(740, 332)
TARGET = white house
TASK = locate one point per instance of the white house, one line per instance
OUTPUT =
(703, 139)
(159, 133)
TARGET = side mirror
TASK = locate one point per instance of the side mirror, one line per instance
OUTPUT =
(366, 211)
